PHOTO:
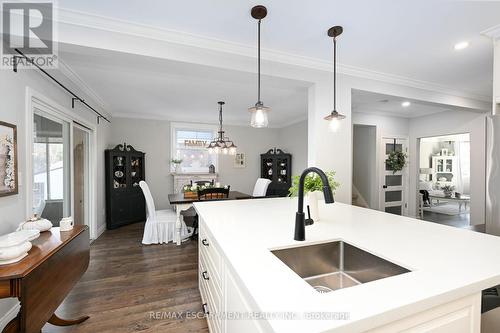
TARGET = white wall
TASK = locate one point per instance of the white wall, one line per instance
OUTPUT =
(153, 138)
(386, 126)
(252, 142)
(12, 110)
(454, 122)
(293, 139)
(365, 163)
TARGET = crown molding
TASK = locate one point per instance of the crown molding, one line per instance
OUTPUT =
(493, 32)
(98, 22)
(149, 116)
(71, 75)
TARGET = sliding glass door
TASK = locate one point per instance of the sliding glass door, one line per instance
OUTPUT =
(51, 167)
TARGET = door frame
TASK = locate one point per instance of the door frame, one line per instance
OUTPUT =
(88, 203)
(35, 99)
(405, 172)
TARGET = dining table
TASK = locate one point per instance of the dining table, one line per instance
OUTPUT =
(182, 203)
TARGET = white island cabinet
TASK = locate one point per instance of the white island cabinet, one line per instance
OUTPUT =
(245, 288)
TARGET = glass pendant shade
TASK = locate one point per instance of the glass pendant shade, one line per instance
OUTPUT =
(334, 119)
(259, 117)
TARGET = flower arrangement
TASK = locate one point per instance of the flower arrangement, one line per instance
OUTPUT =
(191, 191)
(448, 190)
(312, 183)
(397, 161)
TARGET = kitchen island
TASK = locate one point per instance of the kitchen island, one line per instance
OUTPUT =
(246, 288)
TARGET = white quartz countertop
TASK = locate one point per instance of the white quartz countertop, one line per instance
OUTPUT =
(446, 263)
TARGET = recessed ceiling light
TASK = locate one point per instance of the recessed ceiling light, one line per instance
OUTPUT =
(405, 104)
(461, 45)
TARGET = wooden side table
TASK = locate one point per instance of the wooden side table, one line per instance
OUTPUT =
(43, 279)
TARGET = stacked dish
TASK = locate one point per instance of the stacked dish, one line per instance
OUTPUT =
(15, 246)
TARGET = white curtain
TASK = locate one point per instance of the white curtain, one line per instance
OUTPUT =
(462, 152)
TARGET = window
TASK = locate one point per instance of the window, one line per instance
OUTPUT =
(189, 142)
(48, 169)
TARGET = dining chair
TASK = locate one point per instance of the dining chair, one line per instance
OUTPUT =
(213, 193)
(260, 189)
(204, 182)
(160, 224)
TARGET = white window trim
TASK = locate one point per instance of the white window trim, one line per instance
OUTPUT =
(34, 98)
(190, 126)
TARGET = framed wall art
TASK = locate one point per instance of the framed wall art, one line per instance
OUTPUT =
(240, 160)
(8, 159)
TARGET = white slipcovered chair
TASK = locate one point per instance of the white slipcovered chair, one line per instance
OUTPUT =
(160, 224)
(260, 188)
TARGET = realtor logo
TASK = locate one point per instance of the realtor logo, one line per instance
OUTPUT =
(28, 27)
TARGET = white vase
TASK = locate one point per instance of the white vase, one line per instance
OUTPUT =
(312, 202)
(178, 168)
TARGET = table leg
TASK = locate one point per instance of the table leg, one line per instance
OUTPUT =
(178, 224)
(55, 320)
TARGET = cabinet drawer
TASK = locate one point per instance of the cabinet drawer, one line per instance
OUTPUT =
(209, 249)
(210, 300)
(212, 283)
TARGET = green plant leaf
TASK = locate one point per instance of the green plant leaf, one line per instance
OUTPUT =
(312, 183)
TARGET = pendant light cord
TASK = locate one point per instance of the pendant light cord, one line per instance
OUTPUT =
(220, 123)
(335, 73)
(258, 64)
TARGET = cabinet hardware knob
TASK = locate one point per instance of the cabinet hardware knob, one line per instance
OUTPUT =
(204, 242)
(205, 275)
(205, 309)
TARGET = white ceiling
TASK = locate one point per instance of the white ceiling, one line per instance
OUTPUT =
(413, 39)
(385, 105)
(138, 86)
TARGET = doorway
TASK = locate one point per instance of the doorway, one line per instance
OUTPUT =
(364, 176)
(61, 158)
(445, 179)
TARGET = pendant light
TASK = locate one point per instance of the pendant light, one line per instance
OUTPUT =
(221, 144)
(334, 117)
(259, 111)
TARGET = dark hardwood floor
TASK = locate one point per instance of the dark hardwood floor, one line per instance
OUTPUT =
(129, 287)
(458, 221)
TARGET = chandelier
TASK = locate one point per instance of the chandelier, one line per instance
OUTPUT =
(221, 144)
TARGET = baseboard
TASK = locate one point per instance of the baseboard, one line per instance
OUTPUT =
(100, 230)
(9, 315)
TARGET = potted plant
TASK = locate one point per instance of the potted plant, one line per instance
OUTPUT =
(448, 190)
(313, 189)
(177, 164)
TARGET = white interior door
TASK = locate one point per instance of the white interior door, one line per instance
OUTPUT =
(394, 185)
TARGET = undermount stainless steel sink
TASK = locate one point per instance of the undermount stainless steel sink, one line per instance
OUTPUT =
(336, 265)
